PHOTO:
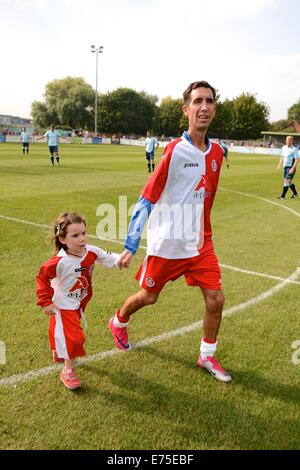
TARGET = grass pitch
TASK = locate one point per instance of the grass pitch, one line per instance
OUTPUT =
(153, 397)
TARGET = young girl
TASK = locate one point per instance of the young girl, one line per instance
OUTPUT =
(64, 288)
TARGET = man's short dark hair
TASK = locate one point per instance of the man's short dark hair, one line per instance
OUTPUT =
(193, 86)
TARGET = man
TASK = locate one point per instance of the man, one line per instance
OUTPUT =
(25, 137)
(289, 160)
(52, 138)
(151, 146)
(182, 187)
(225, 152)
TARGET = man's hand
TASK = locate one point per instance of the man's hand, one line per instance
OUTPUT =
(125, 259)
(49, 310)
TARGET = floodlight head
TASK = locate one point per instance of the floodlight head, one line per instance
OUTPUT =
(93, 48)
(100, 49)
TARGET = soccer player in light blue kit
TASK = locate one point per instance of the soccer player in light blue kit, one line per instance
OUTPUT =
(52, 137)
(151, 146)
(25, 137)
(289, 160)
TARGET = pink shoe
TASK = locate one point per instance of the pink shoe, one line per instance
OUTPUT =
(211, 364)
(70, 379)
(120, 336)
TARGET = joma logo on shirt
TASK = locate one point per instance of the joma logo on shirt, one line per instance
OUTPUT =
(189, 165)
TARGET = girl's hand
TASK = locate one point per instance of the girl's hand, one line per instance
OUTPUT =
(49, 310)
(125, 259)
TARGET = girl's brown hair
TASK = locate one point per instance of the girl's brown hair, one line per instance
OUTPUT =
(61, 225)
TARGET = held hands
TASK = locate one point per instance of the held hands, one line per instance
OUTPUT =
(49, 310)
(124, 259)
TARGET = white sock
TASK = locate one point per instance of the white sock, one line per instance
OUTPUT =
(117, 323)
(207, 349)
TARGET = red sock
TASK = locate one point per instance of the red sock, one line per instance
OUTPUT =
(121, 319)
(209, 341)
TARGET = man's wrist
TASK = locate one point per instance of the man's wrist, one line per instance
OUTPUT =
(130, 250)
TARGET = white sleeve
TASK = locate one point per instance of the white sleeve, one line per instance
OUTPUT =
(106, 258)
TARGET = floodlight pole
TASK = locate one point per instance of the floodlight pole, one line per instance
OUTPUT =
(96, 50)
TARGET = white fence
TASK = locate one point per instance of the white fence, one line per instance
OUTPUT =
(141, 143)
(17, 138)
(231, 148)
(254, 150)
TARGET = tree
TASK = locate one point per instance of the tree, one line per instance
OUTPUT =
(249, 117)
(42, 116)
(66, 103)
(126, 111)
(221, 126)
(294, 112)
(168, 118)
(279, 125)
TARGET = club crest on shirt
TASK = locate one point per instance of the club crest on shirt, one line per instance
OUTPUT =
(150, 281)
(80, 289)
(214, 165)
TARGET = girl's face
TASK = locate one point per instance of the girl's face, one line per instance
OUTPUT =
(75, 239)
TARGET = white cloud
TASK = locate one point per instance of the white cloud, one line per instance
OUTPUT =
(24, 4)
(40, 3)
(281, 83)
(156, 45)
(197, 11)
(275, 79)
(236, 8)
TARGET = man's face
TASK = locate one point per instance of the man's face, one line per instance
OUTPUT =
(289, 141)
(201, 109)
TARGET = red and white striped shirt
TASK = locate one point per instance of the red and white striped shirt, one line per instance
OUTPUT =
(66, 280)
(182, 189)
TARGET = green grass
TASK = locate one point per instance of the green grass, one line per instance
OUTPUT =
(153, 397)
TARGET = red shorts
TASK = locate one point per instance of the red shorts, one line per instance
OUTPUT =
(202, 270)
(66, 334)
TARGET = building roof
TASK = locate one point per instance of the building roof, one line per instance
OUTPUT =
(6, 119)
(283, 133)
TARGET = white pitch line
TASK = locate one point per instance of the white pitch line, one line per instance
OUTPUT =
(254, 273)
(226, 266)
(13, 219)
(26, 222)
(262, 199)
(15, 379)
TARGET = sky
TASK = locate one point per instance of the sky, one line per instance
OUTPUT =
(159, 46)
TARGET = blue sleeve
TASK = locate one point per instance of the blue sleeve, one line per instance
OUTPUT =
(139, 217)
